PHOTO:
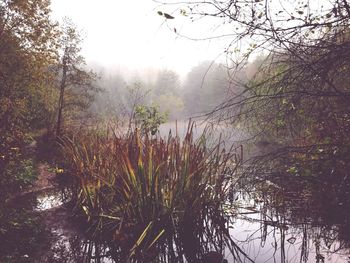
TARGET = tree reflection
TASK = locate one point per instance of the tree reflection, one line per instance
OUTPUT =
(291, 224)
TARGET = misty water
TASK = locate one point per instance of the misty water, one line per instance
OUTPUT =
(268, 222)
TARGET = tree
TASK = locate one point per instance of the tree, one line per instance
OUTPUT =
(76, 84)
(28, 47)
(108, 104)
(171, 104)
(257, 25)
(299, 99)
(206, 86)
(167, 82)
(136, 96)
(166, 93)
(149, 118)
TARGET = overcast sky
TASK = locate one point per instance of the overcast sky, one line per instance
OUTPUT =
(131, 34)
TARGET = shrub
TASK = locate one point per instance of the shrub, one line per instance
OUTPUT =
(135, 190)
(148, 119)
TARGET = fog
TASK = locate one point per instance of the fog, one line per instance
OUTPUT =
(131, 36)
(131, 47)
(204, 87)
(187, 131)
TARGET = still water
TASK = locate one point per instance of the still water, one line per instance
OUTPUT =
(268, 223)
(279, 222)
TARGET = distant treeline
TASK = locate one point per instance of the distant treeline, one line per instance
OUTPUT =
(204, 87)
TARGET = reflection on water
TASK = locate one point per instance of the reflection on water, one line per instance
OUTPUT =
(76, 249)
(280, 221)
(48, 199)
(227, 133)
(272, 237)
(269, 224)
(293, 224)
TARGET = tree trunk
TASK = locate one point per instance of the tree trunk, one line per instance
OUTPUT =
(61, 99)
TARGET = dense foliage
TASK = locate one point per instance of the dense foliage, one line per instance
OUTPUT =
(27, 48)
(29, 95)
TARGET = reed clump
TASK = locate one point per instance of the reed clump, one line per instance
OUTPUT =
(137, 190)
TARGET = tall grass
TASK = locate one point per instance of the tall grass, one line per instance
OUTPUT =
(135, 191)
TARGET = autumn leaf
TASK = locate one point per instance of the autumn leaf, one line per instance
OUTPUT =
(167, 16)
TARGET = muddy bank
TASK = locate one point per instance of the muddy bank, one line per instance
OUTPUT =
(36, 218)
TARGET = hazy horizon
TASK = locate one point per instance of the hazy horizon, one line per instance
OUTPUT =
(131, 36)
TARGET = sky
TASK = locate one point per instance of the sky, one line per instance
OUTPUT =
(130, 34)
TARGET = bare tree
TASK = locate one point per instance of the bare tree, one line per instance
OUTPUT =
(76, 83)
(300, 96)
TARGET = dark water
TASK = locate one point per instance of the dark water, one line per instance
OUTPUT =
(268, 223)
